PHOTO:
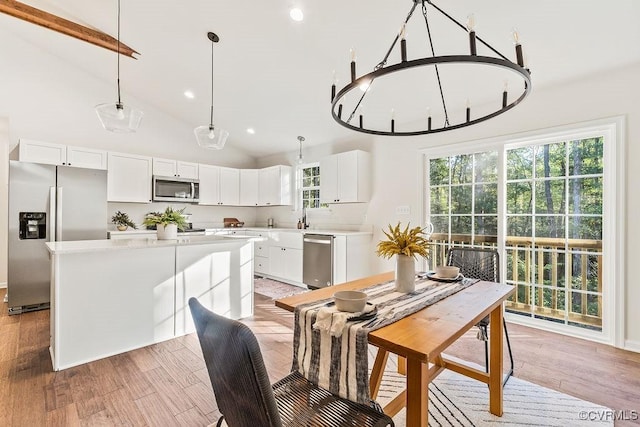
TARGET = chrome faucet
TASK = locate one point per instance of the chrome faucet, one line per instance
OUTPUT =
(304, 218)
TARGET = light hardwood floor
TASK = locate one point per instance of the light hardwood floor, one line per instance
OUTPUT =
(167, 384)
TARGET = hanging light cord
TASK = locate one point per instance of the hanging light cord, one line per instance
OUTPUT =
(433, 53)
(119, 104)
(211, 122)
(382, 63)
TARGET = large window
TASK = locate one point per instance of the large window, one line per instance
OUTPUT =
(543, 203)
(554, 230)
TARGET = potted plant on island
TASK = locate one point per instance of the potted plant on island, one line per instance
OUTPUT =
(122, 221)
(405, 245)
(167, 223)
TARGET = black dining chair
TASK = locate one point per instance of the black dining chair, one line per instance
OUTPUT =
(483, 264)
(244, 394)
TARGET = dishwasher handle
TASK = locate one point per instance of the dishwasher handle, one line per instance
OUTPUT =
(321, 241)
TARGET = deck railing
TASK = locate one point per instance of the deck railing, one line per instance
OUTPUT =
(557, 279)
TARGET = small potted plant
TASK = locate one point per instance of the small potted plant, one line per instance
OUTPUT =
(122, 221)
(167, 223)
(406, 245)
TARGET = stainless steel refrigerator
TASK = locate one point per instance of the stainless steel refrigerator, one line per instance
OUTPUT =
(48, 203)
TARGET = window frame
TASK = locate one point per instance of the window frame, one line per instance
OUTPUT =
(613, 213)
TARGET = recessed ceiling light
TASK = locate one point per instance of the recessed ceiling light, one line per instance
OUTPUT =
(189, 94)
(296, 14)
(251, 131)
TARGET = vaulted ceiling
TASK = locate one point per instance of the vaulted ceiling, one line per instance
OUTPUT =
(273, 74)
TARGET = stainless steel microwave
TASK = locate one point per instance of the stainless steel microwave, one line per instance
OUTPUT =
(174, 189)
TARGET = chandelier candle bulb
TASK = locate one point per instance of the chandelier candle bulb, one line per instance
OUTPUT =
(519, 56)
(353, 65)
(472, 43)
(403, 50)
(403, 43)
(516, 41)
(393, 120)
(333, 86)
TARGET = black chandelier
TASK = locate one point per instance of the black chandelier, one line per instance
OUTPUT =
(364, 83)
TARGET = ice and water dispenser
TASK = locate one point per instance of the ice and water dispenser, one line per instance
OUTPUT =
(33, 225)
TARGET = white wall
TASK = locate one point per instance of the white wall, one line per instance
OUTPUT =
(4, 188)
(605, 95)
(396, 180)
(46, 99)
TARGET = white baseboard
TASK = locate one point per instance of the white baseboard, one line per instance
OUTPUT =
(3, 285)
(632, 345)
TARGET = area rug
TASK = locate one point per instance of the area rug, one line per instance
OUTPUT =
(455, 400)
(274, 289)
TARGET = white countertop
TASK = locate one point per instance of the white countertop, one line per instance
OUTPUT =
(295, 230)
(258, 229)
(79, 246)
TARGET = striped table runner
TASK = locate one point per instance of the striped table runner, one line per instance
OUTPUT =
(340, 364)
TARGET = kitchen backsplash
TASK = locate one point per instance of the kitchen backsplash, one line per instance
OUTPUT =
(347, 217)
(201, 216)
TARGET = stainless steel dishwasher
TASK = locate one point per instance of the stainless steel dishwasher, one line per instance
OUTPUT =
(317, 264)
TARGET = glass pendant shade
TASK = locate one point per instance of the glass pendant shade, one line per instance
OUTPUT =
(118, 117)
(210, 137)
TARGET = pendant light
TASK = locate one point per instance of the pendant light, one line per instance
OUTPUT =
(119, 117)
(209, 136)
(300, 158)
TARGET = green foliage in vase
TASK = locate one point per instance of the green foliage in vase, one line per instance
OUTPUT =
(169, 216)
(410, 242)
(122, 219)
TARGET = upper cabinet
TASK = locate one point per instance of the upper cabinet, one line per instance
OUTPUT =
(129, 178)
(274, 186)
(249, 187)
(62, 155)
(345, 177)
(168, 167)
(219, 185)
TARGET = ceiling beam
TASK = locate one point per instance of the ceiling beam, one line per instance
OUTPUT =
(64, 26)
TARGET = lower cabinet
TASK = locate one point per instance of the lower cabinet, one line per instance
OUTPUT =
(285, 263)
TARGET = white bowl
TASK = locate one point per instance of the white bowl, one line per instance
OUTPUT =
(447, 272)
(351, 301)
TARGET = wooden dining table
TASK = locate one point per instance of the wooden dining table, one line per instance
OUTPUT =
(420, 339)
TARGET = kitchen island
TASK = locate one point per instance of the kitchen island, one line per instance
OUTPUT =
(113, 296)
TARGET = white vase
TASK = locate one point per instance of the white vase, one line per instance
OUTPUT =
(405, 273)
(167, 232)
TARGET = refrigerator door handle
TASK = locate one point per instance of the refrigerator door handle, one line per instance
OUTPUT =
(59, 214)
(51, 225)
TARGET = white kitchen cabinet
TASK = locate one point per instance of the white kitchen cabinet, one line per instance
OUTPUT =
(129, 178)
(345, 177)
(285, 256)
(219, 185)
(249, 187)
(274, 186)
(62, 155)
(168, 167)
(81, 157)
(285, 264)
